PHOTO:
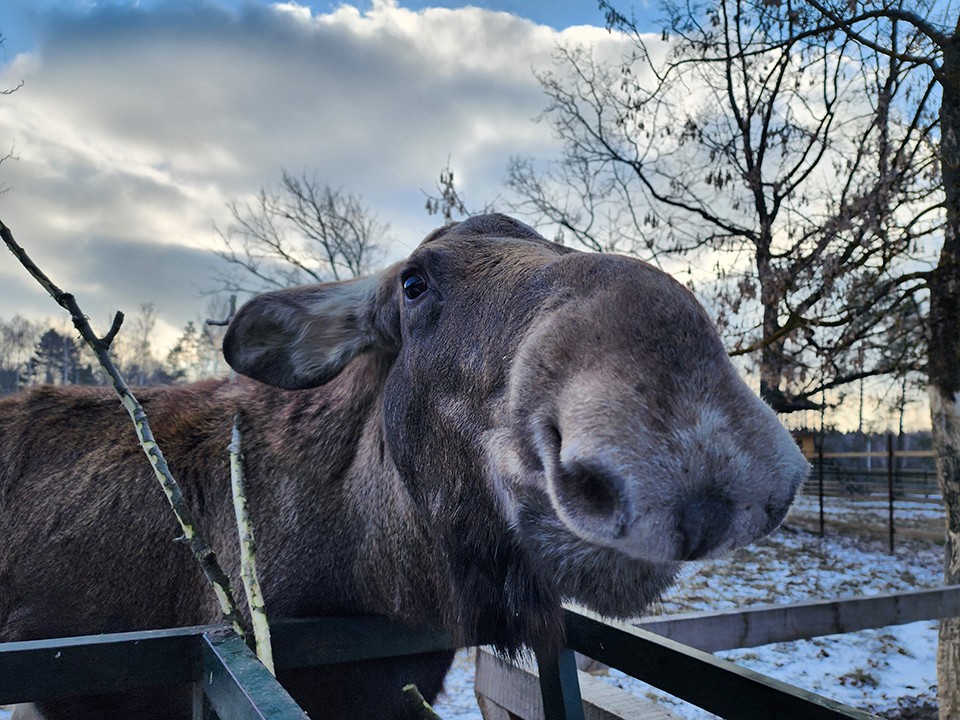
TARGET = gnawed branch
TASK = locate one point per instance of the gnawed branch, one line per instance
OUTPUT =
(248, 550)
(248, 545)
(415, 706)
(201, 550)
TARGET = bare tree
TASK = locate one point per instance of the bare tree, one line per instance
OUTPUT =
(448, 202)
(10, 155)
(197, 352)
(908, 208)
(781, 163)
(936, 54)
(143, 326)
(304, 232)
(925, 38)
(18, 336)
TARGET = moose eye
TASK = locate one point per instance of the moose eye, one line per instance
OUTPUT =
(414, 285)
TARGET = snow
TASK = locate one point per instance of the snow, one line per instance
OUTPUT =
(871, 669)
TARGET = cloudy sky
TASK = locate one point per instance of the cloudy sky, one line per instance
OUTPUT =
(137, 123)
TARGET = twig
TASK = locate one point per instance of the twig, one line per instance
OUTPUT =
(248, 545)
(230, 314)
(415, 706)
(248, 551)
(101, 347)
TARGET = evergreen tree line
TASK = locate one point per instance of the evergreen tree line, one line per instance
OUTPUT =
(46, 352)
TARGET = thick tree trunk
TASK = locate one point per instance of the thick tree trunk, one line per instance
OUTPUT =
(944, 374)
(771, 366)
(945, 414)
(771, 355)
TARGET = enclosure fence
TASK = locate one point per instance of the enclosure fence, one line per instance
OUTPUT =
(229, 681)
(887, 475)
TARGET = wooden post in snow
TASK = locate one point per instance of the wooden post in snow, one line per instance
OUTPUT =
(890, 459)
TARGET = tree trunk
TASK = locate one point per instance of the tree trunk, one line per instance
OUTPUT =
(771, 354)
(944, 374)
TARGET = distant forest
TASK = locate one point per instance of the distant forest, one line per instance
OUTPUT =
(35, 353)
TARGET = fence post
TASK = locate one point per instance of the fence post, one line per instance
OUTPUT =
(560, 686)
(820, 481)
(890, 484)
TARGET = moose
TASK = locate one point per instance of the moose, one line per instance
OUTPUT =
(465, 440)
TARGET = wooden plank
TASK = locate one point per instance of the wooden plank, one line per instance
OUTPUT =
(69, 667)
(881, 454)
(765, 624)
(504, 688)
(715, 685)
(489, 710)
(238, 686)
(320, 641)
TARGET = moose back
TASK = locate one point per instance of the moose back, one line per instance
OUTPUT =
(470, 437)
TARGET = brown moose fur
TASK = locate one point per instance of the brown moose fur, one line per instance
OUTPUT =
(538, 424)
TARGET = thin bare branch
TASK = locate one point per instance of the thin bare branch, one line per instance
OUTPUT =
(201, 550)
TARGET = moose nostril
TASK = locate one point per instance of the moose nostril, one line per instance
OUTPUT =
(595, 496)
(704, 520)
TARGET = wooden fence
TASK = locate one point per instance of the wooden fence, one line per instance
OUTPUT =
(231, 683)
(507, 691)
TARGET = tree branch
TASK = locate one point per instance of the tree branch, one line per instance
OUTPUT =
(202, 551)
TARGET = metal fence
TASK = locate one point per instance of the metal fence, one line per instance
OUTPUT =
(890, 476)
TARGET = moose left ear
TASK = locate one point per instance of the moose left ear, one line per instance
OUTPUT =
(303, 337)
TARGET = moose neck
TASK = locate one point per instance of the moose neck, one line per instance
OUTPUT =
(394, 554)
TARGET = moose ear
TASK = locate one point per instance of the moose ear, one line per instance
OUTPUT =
(302, 337)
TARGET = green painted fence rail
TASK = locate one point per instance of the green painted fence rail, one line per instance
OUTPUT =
(716, 685)
(231, 683)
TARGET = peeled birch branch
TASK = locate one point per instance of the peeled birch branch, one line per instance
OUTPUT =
(415, 706)
(248, 545)
(248, 551)
(203, 553)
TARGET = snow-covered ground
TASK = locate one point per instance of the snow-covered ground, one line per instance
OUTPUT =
(872, 669)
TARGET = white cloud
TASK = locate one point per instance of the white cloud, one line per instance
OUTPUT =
(135, 127)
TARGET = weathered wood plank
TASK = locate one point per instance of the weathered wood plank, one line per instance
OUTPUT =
(715, 685)
(504, 690)
(765, 624)
(69, 667)
(237, 684)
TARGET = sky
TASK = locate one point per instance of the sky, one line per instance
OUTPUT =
(138, 122)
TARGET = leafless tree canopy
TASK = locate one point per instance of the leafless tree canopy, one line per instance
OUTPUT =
(303, 232)
(936, 54)
(794, 173)
(10, 154)
(448, 202)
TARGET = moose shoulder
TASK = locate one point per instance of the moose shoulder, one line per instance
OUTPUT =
(470, 437)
